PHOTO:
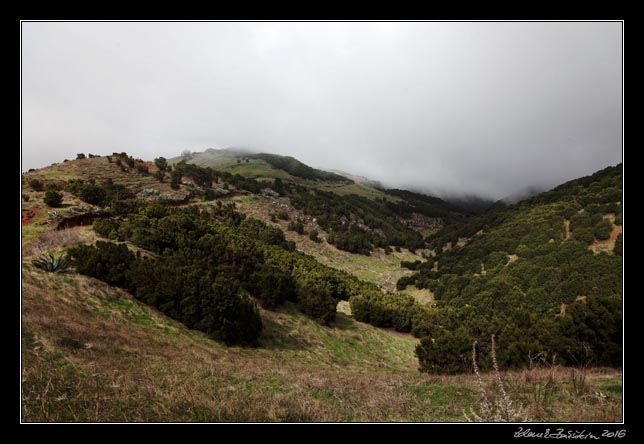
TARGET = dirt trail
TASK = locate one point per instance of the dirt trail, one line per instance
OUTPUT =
(567, 226)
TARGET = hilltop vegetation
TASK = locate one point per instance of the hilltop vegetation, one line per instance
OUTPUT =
(529, 274)
(258, 165)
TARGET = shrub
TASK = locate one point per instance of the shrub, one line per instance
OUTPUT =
(161, 163)
(107, 228)
(296, 226)
(272, 286)
(584, 235)
(80, 156)
(315, 300)
(175, 180)
(603, 229)
(36, 185)
(93, 194)
(25, 197)
(53, 199)
(52, 186)
(313, 235)
(617, 249)
(106, 261)
(282, 214)
(143, 169)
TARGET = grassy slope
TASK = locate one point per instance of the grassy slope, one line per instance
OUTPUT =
(379, 268)
(262, 170)
(99, 169)
(92, 353)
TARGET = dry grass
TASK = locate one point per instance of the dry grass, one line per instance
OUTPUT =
(99, 169)
(91, 353)
(378, 268)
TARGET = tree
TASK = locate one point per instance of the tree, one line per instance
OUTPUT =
(53, 199)
(80, 156)
(161, 163)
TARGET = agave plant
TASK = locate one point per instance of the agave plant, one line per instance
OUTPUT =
(51, 263)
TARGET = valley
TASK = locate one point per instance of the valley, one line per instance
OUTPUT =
(256, 288)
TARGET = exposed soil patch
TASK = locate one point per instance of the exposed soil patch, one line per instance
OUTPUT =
(27, 216)
(567, 227)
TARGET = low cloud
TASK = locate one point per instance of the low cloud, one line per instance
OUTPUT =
(456, 108)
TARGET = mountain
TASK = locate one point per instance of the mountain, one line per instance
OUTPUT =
(191, 293)
(543, 275)
(258, 165)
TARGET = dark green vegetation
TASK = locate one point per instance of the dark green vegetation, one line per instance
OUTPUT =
(95, 352)
(296, 168)
(528, 273)
(53, 198)
(208, 262)
(358, 225)
(108, 193)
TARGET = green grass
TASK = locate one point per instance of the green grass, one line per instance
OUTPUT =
(92, 353)
(355, 188)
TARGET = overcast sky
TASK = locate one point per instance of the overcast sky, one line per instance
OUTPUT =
(481, 108)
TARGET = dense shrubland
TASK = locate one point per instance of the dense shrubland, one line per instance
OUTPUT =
(524, 278)
(207, 266)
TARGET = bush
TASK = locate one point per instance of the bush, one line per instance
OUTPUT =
(175, 179)
(53, 199)
(272, 286)
(25, 197)
(617, 249)
(296, 226)
(584, 235)
(143, 169)
(52, 186)
(36, 185)
(603, 229)
(282, 214)
(315, 300)
(106, 261)
(107, 228)
(80, 156)
(313, 235)
(93, 194)
(161, 163)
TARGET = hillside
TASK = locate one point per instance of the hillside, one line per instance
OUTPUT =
(544, 275)
(258, 165)
(93, 353)
(245, 302)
